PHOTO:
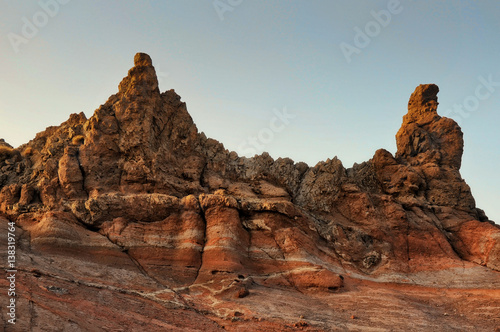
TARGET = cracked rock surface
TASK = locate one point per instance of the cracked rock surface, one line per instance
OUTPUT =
(134, 220)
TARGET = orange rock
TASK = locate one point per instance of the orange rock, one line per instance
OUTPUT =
(133, 220)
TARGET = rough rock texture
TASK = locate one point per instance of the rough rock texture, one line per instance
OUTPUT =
(133, 220)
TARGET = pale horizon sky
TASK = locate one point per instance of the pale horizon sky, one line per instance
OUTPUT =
(237, 63)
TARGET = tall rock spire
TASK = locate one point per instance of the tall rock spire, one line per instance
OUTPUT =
(141, 80)
(424, 136)
(423, 103)
(135, 133)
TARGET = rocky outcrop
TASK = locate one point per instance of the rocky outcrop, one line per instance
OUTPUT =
(138, 204)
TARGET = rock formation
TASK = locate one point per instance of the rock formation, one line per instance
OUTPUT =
(134, 220)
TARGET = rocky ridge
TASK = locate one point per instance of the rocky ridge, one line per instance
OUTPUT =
(135, 205)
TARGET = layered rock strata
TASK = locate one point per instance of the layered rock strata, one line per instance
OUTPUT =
(152, 209)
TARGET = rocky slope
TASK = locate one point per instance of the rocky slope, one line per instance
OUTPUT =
(134, 220)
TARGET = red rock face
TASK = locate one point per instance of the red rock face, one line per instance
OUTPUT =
(134, 220)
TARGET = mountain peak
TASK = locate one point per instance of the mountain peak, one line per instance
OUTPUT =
(423, 102)
(425, 137)
(141, 80)
(142, 59)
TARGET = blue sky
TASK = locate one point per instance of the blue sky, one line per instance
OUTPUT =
(239, 63)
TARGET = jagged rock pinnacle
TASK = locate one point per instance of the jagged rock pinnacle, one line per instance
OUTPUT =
(3, 143)
(424, 136)
(142, 59)
(423, 103)
(141, 80)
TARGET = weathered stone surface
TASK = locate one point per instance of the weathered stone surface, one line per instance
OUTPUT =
(70, 174)
(133, 220)
(425, 137)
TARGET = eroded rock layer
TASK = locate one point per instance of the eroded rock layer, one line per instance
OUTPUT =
(134, 205)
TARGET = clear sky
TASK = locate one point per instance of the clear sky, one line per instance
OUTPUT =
(308, 80)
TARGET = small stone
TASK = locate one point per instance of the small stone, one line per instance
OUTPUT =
(301, 324)
(242, 293)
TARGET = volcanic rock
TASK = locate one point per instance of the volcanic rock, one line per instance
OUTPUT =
(133, 219)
